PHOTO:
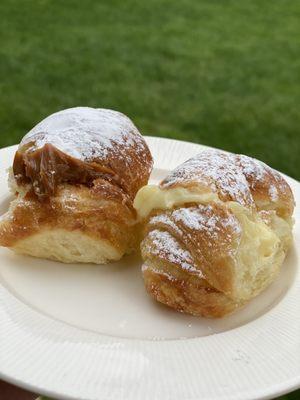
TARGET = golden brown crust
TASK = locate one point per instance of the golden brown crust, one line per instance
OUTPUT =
(80, 145)
(73, 208)
(215, 228)
(210, 259)
(233, 177)
(193, 297)
(78, 171)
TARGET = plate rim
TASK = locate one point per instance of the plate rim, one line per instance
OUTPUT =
(280, 388)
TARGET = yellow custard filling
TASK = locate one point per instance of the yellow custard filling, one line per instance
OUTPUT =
(152, 197)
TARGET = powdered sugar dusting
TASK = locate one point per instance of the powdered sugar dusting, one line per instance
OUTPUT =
(203, 218)
(218, 170)
(258, 173)
(202, 226)
(165, 245)
(233, 177)
(95, 137)
(86, 133)
(215, 224)
(193, 219)
(146, 267)
(252, 167)
(166, 221)
(273, 192)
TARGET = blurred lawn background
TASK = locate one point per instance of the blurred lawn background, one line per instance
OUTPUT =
(221, 73)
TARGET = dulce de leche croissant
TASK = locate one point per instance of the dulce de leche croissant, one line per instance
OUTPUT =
(74, 177)
(216, 232)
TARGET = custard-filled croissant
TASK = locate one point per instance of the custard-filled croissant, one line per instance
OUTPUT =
(75, 176)
(216, 232)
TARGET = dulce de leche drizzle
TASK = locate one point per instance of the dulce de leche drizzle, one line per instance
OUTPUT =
(79, 146)
(79, 170)
(48, 167)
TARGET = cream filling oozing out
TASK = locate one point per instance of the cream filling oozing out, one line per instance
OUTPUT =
(152, 197)
(259, 254)
(260, 248)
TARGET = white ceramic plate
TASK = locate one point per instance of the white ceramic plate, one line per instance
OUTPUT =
(91, 332)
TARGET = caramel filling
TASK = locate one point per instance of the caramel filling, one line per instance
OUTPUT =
(47, 167)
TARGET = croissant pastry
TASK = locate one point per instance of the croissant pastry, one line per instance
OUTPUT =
(75, 176)
(216, 232)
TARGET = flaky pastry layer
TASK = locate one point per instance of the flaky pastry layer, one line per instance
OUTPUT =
(222, 220)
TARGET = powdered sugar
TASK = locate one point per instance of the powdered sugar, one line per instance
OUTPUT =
(273, 193)
(216, 225)
(193, 218)
(86, 133)
(204, 219)
(233, 177)
(166, 221)
(252, 167)
(106, 141)
(217, 170)
(258, 173)
(165, 245)
(169, 276)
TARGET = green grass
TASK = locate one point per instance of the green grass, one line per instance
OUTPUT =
(221, 73)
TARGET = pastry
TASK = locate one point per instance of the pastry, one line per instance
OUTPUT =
(216, 232)
(74, 177)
